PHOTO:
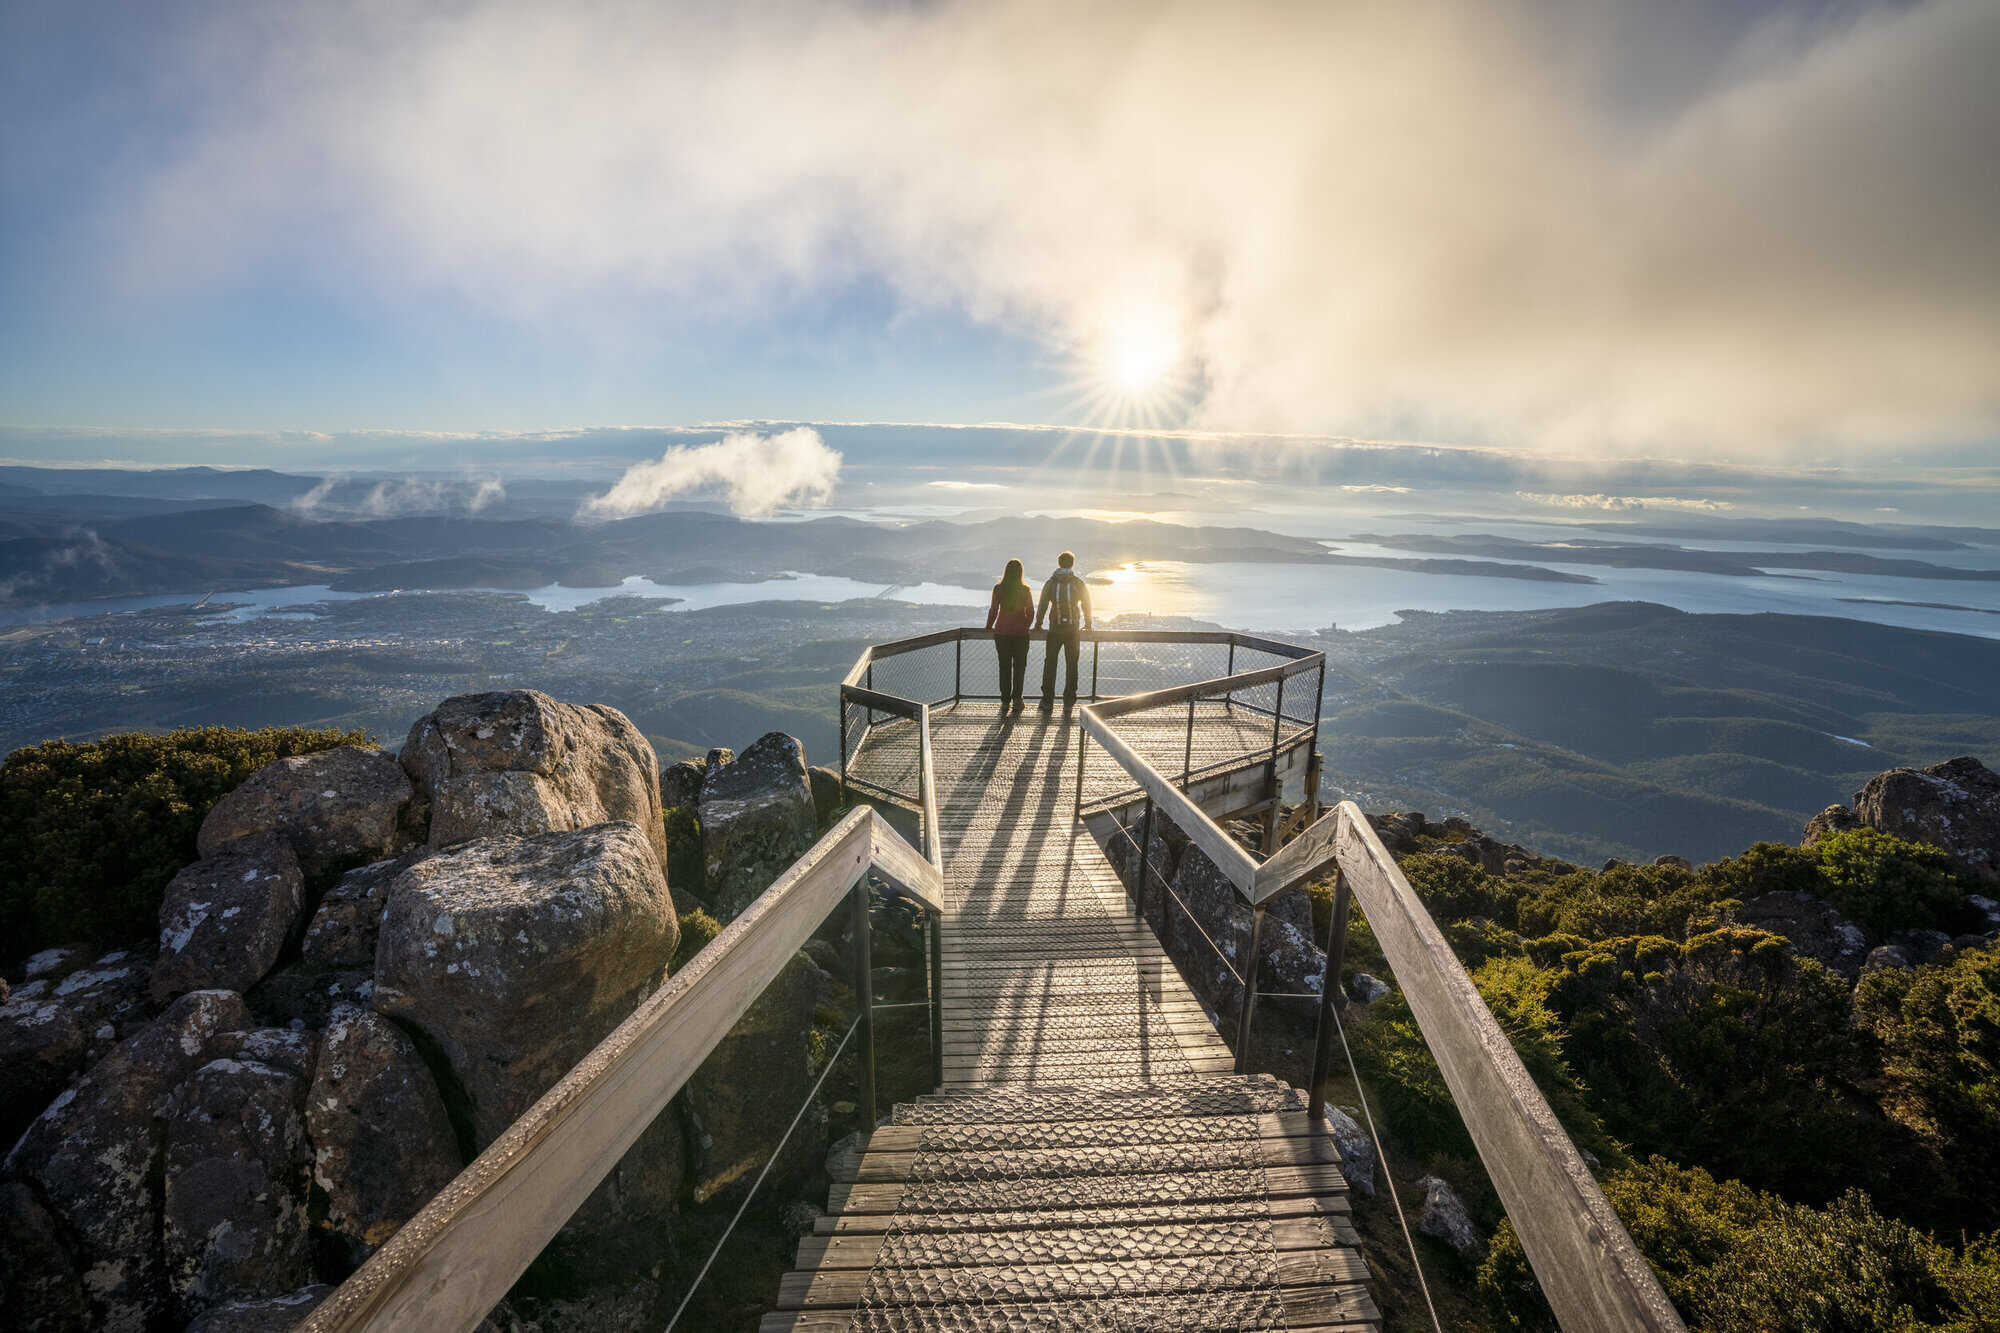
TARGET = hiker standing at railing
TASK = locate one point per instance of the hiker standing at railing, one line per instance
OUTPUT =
(1009, 615)
(1066, 607)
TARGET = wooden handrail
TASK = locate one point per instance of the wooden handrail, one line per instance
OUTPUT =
(1219, 685)
(1592, 1274)
(927, 792)
(1228, 855)
(880, 702)
(452, 1262)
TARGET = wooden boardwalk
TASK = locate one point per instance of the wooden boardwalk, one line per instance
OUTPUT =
(1090, 1162)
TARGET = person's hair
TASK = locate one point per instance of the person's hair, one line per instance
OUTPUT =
(1014, 588)
(1066, 560)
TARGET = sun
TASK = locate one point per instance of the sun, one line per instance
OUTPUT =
(1140, 356)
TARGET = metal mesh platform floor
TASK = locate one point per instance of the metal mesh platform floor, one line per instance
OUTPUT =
(1090, 1162)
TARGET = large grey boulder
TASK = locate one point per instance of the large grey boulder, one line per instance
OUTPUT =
(1445, 1218)
(272, 1314)
(225, 919)
(39, 1288)
(95, 1155)
(343, 930)
(515, 956)
(234, 1214)
(825, 784)
(382, 1143)
(336, 808)
(744, 1094)
(519, 762)
(756, 819)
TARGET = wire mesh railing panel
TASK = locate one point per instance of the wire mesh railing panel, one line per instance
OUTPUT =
(923, 675)
(979, 669)
(889, 760)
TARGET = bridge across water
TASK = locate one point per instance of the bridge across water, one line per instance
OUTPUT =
(1094, 1156)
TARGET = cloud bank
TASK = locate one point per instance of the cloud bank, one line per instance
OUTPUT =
(755, 474)
(1568, 222)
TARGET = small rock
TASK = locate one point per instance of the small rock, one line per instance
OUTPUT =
(1886, 956)
(1357, 1150)
(226, 918)
(1367, 989)
(335, 807)
(844, 1154)
(105, 998)
(382, 1144)
(54, 964)
(797, 1219)
(273, 1314)
(1833, 819)
(342, 933)
(1814, 927)
(825, 783)
(1446, 1219)
(1986, 907)
(1676, 862)
(234, 1215)
(1924, 947)
(680, 783)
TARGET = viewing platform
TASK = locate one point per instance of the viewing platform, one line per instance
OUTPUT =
(1091, 1161)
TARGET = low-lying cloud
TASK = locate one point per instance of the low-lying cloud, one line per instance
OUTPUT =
(1625, 503)
(1538, 222)
(754, 474)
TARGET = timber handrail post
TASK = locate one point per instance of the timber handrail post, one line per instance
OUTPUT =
(934, 930)
(1249, 1010)
(864, 994)
(1187, 755)
(1331, 997)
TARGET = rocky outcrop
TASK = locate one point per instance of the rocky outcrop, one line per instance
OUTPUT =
(41, 1045)
(336, 808)
(1954, 805)
(1356, 1149)
(756, 819)
(343, 930)
(1814, 926)
(96, 1155)
(518, 762)
(382, 1144)
(234, 1215)
(740, 1099)
(273, 1314)
(515, 956)
(1445, 1218)
(39, 1288)
(226, 918)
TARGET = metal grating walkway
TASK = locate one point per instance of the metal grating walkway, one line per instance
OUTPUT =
(1090, 1163)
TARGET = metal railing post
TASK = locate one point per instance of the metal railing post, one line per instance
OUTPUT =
(1082, 739)
(1230, 703)
(957, 669)
(864, 994)
(1187, 755)
(1330, 996)
(934, 929)
(1096, 647)
(843, 746)
(1145, 855)
(1249, 992)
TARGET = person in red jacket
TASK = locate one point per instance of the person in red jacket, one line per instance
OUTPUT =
(1009, 615)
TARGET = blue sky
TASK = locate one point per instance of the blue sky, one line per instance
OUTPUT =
(1736, 231)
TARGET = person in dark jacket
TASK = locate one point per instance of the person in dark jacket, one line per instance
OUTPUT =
(1009, 615)
(1066, 606)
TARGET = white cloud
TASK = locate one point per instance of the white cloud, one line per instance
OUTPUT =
(1624, 502)
(1566, 222)
(754, 473)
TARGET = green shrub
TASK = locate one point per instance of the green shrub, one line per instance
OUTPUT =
(697, 929)
(1937, 1031)
(1451, 887)
(1622, 901)
(1883, 883)
(1765, 867)
(94, 831)
(1730, 1051)
(686, 872)
(1734, 1260)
